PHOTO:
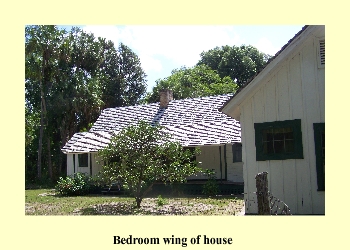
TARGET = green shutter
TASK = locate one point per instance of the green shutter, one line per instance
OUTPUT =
(319, 137)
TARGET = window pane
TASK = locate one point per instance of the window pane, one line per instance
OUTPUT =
(288, 133)
(267, 134)
(279, 147)
(278, 134)
(237, 152)
(268, 147)
(267, 141)
(289, 146)
(83, 160)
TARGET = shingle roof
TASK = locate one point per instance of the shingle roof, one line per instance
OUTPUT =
(192, 122)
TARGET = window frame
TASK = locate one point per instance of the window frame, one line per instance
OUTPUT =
(297, 137)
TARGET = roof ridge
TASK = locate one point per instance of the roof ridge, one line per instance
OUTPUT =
(178, 100)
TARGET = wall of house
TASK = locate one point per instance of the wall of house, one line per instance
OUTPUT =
(212, 157)
(294, 90)
(70, 165)
(73, 165)
(96, 164)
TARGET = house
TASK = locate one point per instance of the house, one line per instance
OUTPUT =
(282, 114)
(192, 122)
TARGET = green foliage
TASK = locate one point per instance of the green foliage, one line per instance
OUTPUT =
(161, 201)
(211, 186)
(193, 82)
(240, 63)
(69, 78)
(142, 154)
(78, 184)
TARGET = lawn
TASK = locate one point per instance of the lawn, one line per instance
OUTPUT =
(46, 202)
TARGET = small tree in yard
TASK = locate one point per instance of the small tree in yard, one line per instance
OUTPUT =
(142, 154)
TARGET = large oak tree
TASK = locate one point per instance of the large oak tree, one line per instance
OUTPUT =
(69, 77)
(193, 82)
(240, 63)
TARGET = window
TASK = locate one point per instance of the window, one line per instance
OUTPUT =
(237, 152)
(83, 160)
(278, 140)
(319, 137)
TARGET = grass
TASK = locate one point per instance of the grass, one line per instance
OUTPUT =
(46, 202)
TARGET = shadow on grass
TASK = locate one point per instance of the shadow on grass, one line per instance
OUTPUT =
(198, 197)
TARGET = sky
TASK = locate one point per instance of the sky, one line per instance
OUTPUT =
(162, 48)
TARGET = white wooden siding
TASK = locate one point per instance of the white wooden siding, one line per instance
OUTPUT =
(70, 165)
(234, 169)
(96, 164)
(294, 90)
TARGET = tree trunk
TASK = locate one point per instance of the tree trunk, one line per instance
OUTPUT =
(42, 110)
(63, 133)
(40, 141)
(49, 158)
(138, 201)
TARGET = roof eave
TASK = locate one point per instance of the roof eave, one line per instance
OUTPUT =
(77, 152)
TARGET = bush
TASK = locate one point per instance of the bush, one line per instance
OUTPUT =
(78, 184)
(211, 187)
(161, 201)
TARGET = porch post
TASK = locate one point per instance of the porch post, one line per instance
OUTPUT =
(220, 163)
(225, 159)
(90, 162)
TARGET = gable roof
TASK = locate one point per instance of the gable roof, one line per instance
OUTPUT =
(192, 122)
(271, 63)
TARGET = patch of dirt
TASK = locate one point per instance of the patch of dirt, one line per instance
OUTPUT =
(150, 207)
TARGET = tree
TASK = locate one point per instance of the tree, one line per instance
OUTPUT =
(142, 154)
(41, 51)
(123, 79)
(68, 81)
(193, 82)
(239, 63)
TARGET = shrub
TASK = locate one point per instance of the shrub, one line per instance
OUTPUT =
(78, 184)
(161, 201)
(211, 187)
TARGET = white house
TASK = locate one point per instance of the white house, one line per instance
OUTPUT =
(193, 122)
(282, 115)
